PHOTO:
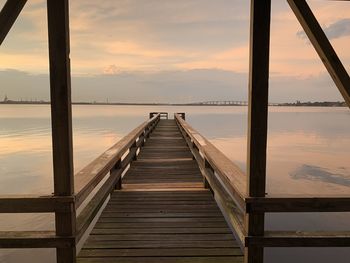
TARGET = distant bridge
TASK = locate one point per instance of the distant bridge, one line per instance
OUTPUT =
(228, 103)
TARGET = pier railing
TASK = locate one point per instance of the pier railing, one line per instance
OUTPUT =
(93, 185)
(229, 187)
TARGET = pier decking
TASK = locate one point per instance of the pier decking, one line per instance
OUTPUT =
(163, 213)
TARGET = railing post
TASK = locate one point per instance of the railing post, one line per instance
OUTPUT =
(257, 120)
(133, 146)
(117, 166)
(208, 166)
(61, 118)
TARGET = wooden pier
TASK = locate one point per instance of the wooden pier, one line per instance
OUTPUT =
(163, 213)
(164, 193)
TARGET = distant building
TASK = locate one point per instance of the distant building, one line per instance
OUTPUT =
(5, 99)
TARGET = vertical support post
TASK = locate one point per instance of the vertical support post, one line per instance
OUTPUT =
(133, 146)
(61, 118)
(257, 119)
(117, 166)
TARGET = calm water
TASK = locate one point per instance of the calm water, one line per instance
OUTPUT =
(308, 154)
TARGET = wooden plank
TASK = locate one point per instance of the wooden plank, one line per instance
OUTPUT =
(8, 16)
(160, 214)
(207, 259)
(35, 204)
(34, 239)
(301, 239)
(298, 204)
(322, 46)
(257, 119)
(192, 224)
(162, 220)
(162, 237)
(160, 244)
(61, 118)
(188, 230)
(160, 252)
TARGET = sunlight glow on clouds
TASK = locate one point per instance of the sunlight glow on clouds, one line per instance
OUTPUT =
(113, 37)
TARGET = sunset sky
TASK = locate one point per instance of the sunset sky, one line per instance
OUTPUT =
(171, 51)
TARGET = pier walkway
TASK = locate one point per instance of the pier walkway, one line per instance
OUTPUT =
(163, 213)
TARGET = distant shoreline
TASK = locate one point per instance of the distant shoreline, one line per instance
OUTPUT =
(298, 104)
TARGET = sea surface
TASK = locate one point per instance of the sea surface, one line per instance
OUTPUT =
(308, 154)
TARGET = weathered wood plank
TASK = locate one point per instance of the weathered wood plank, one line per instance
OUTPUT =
(161, 244)
(160, 252)
(35, 204)
(207, 259)
(162, 237)
(34, 239)
(298, 204)
(301, 239)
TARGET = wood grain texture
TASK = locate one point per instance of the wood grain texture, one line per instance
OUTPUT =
(258, 99)
(61, 119)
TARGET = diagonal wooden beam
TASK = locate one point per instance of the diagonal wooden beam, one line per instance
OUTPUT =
(8, 16)
(323, 47)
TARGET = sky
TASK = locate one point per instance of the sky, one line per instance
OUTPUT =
(171, 51)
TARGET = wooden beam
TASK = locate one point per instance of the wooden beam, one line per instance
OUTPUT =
(35, 204)
(297, 204)
(61, 118)
(34, 239)
(323, 47)
(301, 239)
(8, 16)
(257, 119)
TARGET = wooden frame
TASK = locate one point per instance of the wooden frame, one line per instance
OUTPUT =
(241, 198)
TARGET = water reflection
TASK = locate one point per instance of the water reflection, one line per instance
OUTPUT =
(308, 154)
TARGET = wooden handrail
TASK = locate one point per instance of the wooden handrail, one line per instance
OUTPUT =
(228, 185)
(90, 176)
(301, 239)
(111, 164)
(230, 174)
(279, 204)
(35, 204)
(34, 239)
(222, 176)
